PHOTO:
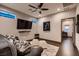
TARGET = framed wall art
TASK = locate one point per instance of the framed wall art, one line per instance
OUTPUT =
(46, 26)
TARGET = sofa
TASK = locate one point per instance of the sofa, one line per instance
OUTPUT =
(7, 48)
(10, 46)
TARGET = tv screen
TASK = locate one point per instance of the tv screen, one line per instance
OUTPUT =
(28, 24)
(77, 23)
(24, 24)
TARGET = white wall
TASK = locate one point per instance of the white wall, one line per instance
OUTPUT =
(55, 22)
(11, 24)
(77, 35)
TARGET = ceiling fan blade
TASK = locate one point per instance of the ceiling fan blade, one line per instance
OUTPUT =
(32, 6)
(41, 4)
(34, 10)
(44, 9)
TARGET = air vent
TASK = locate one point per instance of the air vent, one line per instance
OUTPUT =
(67, 4)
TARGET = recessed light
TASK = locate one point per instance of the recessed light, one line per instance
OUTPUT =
(58, 9)
(39, 15)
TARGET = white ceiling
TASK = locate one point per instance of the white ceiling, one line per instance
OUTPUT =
(24, 8)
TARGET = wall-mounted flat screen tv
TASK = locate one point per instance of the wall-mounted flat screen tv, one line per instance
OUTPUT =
(77, 23)
(24, 24)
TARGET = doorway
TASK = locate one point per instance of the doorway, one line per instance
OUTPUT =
(68, 29)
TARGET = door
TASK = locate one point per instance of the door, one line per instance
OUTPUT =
(68, 27)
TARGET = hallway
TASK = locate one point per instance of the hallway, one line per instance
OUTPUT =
(67, 48)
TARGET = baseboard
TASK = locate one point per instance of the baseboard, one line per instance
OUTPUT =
(51, 42)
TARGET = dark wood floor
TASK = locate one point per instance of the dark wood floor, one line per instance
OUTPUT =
(67, 48)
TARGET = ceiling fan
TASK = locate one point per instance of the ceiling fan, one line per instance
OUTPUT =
(38, 8)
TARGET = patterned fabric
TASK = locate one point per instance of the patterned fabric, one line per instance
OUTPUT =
(4, 43)
(20, 45)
